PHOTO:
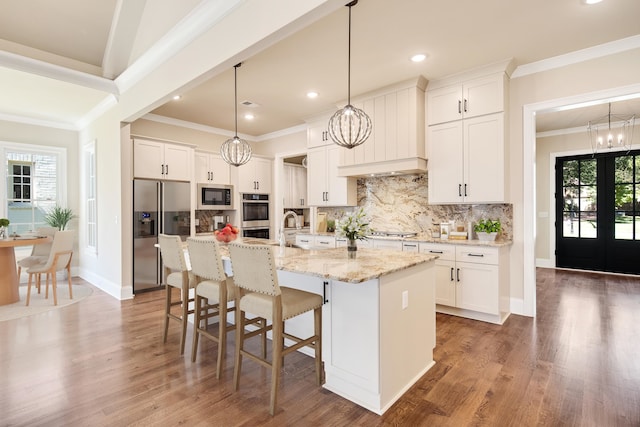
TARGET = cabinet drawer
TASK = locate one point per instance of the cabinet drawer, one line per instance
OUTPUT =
(477, 254)
(325, 242)
(445, 252)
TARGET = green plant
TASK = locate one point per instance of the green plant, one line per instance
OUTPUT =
(4, 222)
(59, 217)
(331, 225)
(487, 226)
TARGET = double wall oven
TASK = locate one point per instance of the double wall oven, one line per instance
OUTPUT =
(255, 215)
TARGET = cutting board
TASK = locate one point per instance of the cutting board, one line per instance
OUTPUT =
(321, 223)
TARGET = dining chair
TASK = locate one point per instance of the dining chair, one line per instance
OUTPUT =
(259, 293)
(214, 290)
(59, 259)
(39, 253)
(176, 274)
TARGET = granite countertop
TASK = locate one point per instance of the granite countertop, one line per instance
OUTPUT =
(424, 238)
(334, 263)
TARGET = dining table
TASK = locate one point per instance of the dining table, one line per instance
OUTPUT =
(8, 271)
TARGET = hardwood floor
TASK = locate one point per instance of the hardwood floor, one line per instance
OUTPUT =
(102, 362)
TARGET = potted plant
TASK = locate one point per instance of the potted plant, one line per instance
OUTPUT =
(4, 223)
(487, 229)
(354, 226)
(59, 217)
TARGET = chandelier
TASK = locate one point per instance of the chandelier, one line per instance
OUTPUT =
(236, 151)
(611, 131)
(350, 126)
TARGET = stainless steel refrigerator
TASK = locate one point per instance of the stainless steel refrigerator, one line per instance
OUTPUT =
(158, 207)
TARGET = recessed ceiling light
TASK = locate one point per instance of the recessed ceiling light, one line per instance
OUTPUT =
(312, 94)
(177, 97)
(591, 1)
(249, 116)
(419, 57)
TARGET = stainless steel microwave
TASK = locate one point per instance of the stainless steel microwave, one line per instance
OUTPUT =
(213, 196)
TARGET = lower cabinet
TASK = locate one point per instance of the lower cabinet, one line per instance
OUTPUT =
(471, 281)
(316, 241)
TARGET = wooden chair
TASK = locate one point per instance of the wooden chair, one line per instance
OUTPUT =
(176, 275)
(213, 292)
(59, 259)
(39, 253)
(259, 293)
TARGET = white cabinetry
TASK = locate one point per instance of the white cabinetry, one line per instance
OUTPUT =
(211, 168)
(472, 98)
(255, 176)
(317, 133)
(467, 161)
(295, 187)
(316, 241)
(326, 188)
(465, 139)
(160, 160)
(387, 244)
(471, 281)
(397, 139)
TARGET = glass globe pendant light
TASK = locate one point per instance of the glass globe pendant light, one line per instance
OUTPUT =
(236, 151)
(350, 126)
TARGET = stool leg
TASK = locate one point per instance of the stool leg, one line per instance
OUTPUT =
(167, 310)
(196, 324)
(29, 289)
(276, 362)
(54, 288)
(222, 335)
(185, 313)
(317, 326)
(240, 319)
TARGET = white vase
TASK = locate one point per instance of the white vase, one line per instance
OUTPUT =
(486, 237)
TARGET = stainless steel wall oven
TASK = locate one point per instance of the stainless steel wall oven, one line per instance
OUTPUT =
(255, 215)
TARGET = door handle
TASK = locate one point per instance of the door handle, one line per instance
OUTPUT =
(465, 105)
(459, 107)
(459, 190)
(167, 170)
(324, 292)
(451, 274)
(457, 274)
(465, 190)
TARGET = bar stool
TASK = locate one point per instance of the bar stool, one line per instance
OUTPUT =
(176, 275)
(259, 293)
(214, 290)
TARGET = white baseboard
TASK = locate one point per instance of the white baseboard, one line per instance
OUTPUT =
(114, 289)
(545, 263)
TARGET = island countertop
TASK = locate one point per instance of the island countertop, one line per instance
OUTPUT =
(334, 263)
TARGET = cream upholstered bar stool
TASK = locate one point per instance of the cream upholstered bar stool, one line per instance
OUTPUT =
(259, 293)
(59, 259)
(214, 290)
(176, 275)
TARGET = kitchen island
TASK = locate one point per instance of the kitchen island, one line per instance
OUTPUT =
(378, 321)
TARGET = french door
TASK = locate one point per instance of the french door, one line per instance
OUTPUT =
(598, 212)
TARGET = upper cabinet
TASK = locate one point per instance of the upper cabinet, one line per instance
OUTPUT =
(476, 97)
(255, 176)
(161, 160)
(466, 138)
(396, 143)
(211, 168)
(318, 133)
(325, 187)
(295, 187)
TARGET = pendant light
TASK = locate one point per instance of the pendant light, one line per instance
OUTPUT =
(350, 126)
(236, 151)
(607, 134)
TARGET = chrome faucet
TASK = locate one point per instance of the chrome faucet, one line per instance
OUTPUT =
(281, 238)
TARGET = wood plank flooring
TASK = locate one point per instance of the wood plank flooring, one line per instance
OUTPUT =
(101, 362)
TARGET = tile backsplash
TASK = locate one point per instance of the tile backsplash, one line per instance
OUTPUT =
(400, 203)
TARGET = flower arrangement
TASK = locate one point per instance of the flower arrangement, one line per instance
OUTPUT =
(354, 225)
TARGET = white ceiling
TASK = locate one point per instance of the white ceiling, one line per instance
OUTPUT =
(103, 37)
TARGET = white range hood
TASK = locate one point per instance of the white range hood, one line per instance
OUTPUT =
(390, 167)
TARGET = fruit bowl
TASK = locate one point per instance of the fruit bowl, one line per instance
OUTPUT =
(226, 238)
(227, 234)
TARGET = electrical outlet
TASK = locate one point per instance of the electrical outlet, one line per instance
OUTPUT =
(405, 299)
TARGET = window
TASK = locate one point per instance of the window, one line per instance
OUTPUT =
(91, 200)
(580, 193)
(33, 179)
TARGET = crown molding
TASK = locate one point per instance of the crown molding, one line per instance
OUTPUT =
(107, 103)
(578, 56)
(37, 122)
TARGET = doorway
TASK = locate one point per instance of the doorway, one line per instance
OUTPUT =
(597, 212)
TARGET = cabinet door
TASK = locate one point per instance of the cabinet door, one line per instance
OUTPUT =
(477, 287)
(445, 282)
(201, 167)
(287, 173)
(177, 160)
(220, 172)
(445, 160)
(299, 187)
(341, 190)
(444, 104)
(484, 159)
(262, 170)
(317, 134)
(484, 95)
(317, 169)
(148, 159)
